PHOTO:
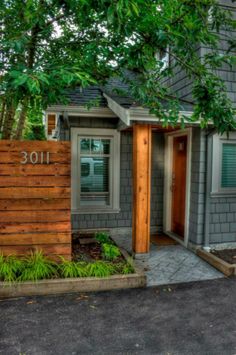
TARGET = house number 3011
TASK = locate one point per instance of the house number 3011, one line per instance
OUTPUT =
(35, 158)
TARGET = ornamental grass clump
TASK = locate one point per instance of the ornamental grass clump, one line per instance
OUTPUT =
(100, 269)
(10, 268)
(73, 268)
(36, 266)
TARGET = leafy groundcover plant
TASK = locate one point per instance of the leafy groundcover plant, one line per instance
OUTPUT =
(37, 266)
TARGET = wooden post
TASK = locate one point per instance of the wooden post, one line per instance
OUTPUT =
(142, 135)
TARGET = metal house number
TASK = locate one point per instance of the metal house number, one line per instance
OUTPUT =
(35, 158)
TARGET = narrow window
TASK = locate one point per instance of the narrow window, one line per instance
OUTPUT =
(228, 167)
(95, 172)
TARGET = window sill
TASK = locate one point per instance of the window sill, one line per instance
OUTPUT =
(95, 211)
(223, 194)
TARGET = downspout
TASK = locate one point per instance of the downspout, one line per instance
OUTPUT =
(206, 243)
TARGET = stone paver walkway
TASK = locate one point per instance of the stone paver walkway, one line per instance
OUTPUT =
(171, 264)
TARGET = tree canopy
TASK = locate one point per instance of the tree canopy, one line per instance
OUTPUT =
(47, 46)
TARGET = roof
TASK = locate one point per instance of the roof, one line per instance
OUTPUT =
(85, 96)
(116, 89)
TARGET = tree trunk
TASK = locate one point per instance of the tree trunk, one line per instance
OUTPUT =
(2, 114)
(8, 121)
(21, 121)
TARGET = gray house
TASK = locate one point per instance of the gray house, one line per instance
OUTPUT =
(132, 176)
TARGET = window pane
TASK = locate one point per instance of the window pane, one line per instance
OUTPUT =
(105, 146)
(95, 146)
(85, 145)
(228, 173)
(95, 186)
(85, 169)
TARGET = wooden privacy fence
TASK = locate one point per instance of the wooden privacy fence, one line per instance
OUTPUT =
(35, 192)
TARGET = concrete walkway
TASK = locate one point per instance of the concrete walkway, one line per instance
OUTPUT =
(171, 264)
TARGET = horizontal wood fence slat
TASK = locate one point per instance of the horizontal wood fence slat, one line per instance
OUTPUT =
(34, 192)
(48, 146)
(34, 227)
(34, 181)
(34, 238)
(34, 204)
(34, 216)
(58, 249)
(28, 170)
(35, 198)
(15, 157)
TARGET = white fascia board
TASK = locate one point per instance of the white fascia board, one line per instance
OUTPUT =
(121, 112)
(143, 114)
(136, 113)
(82, 111)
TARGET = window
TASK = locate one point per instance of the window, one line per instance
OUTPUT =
(224, 164)
(51, 121)
(164, 57)
(228, 165)
(95, 170)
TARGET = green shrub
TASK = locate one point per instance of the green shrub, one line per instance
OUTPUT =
(103, 237)
(100, 269)
(10, 268)
(110, 251)
(73, 268)
(36, 266)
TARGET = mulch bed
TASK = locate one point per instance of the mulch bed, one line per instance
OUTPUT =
(228, 255)
(86, 248)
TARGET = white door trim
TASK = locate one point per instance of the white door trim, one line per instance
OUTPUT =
(168, 180)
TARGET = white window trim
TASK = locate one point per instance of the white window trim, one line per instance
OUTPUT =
(217, 142)
(115, 170)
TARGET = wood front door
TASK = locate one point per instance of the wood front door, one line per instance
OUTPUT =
(179, 170)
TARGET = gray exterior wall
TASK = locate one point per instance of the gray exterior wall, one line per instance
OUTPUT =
(123, 219)
(227, 73)
(157, 185)
(197, 187)
(181, 84)
(222, 214)
(223, 220)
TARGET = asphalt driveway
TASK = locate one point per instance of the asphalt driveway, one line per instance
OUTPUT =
(193, 318)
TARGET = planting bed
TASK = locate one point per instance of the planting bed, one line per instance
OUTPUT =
(228, 255)
(85, 247)
(217, 258)
(97, 264)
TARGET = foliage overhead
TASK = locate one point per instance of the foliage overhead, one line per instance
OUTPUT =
(49, 45)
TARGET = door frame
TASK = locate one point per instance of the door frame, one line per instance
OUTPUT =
(168, 167)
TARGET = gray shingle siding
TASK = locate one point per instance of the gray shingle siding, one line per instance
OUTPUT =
(157, 184)
(197, 186)
(223, 220)
(181, 84)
